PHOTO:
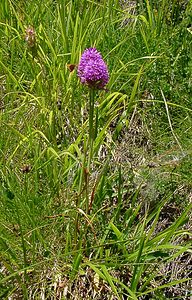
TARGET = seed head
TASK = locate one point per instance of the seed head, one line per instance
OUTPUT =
(92, 69)
(30, 36)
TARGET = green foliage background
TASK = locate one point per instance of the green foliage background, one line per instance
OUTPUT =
(110, 230)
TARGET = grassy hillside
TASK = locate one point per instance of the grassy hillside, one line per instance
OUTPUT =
(95, 199)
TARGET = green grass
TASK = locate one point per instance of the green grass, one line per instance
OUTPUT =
(112, 221)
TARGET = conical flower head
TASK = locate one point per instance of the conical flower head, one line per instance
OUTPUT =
(92, 69)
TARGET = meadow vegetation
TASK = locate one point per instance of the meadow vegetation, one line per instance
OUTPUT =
(116, 223)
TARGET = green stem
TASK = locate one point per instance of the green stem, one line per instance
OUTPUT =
(90, 144)
(91, 127)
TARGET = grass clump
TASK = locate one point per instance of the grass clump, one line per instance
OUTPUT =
(95, 193)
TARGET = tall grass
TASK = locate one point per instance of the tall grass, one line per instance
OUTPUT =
(72, 229)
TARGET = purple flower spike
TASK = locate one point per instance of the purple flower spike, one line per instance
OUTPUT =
(92, 69)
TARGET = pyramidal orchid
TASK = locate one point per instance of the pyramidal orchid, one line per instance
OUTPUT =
(93, 72)
(92, 69)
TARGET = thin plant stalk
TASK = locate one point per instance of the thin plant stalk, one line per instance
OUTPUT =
(91, 125)
(90, 143)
